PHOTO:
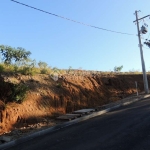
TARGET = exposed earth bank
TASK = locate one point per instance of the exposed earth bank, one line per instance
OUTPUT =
(47, 98)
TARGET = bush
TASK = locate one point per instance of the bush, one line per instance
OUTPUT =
(12, 92)
(44, 71)
(27, 71)
(118, 69)
(16, 68)
(1, 68)
(18, 92)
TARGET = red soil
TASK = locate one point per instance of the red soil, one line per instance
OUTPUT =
(47, 98)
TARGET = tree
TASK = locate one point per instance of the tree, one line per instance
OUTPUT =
(118, 69)
(21, 55)
(10, 54)
(7, 53)
(42, 65)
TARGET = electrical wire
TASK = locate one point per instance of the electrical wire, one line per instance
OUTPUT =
(71, 19)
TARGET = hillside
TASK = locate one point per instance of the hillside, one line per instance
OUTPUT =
(47, 98)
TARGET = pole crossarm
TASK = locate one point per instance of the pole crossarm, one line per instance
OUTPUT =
(142, 18)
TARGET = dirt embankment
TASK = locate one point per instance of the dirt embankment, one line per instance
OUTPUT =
(47, 97)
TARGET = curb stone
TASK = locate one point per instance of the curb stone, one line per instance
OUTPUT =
(108, 108)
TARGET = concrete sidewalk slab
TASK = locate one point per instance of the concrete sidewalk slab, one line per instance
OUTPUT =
(69, 116)
(83, 111)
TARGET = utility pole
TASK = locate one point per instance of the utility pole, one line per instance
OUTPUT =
(141, 52)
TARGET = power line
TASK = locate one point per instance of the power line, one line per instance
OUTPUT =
(70, 19)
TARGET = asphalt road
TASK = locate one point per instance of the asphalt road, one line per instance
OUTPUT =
(126, 128)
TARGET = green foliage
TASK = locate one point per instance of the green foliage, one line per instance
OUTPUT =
(27, 71)
(17, 60)
(42, 65)
(8, 68)
(70, 69)
(55, 70)
(2, 68)
(10, 54)
(18, 92)
(44, 71)
(118, 69)
(11, 92)
(16, 68)
(28, 68)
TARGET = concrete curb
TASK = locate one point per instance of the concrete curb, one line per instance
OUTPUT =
(109, 107)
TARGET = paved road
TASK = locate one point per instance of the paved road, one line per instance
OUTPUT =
(127, 128)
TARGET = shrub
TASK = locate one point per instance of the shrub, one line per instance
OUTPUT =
(118, 69)
(1, 68)
(44, 71)
(27, 71)
(11, 92)
(18, 92)
(42, 65)
(16, 68)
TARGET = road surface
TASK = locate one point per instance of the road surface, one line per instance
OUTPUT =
(126, 128)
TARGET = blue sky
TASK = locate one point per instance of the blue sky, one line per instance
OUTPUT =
(62, 43)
